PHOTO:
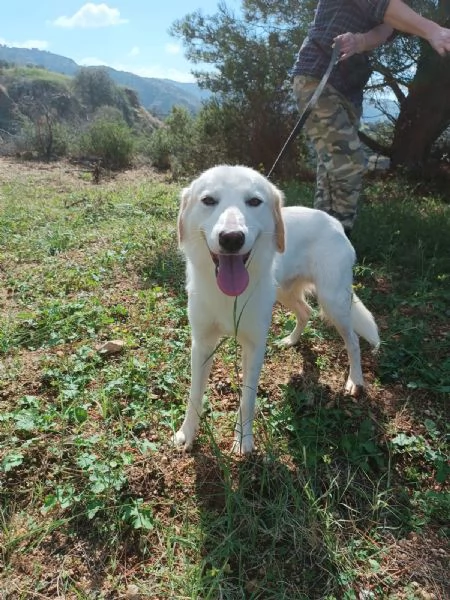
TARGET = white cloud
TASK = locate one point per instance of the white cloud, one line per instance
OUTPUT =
(39, 44)
(91, 15)
(173, 48)
(134, 51)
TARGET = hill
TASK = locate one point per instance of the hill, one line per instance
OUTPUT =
(43, 113)
(156, 95)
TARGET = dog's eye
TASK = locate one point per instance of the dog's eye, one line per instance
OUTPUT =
(253, 202)
(209, 201)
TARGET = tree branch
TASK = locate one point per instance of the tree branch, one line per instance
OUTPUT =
(391, 82)
(374, 145)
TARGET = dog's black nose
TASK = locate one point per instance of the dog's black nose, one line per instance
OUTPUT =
(231, 241)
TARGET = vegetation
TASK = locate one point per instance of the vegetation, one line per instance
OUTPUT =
(109, 138)
(245, 63)
(343, 500)
(156, 95)
(251, 55)
(47, 115)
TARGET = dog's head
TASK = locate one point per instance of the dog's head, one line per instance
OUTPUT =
(235, 212)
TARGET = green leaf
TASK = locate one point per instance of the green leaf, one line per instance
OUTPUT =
(138, 515)
(49, 503)
(374, 565)
(25, 420)
(403, 440)
(442, 470)
(93, 507)
(80, 414)
(86, 460)
(11, 461)
(98, 487)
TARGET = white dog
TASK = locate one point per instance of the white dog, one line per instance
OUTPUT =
(243, 252)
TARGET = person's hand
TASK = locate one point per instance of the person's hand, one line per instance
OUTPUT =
(440, 40)
(350, 43)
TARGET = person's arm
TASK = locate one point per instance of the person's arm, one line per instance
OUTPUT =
(400, 16)
(355, 43)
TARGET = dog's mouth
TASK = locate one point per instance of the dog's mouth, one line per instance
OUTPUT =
(231, 273)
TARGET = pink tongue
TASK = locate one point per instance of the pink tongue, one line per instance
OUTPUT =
(232, 276)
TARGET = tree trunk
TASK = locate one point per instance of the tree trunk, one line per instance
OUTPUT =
(425, 112)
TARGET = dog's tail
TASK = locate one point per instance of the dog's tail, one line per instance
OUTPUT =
(364, 323)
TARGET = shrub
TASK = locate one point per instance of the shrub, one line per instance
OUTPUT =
(175, 145)
(223, 132)
(45, 138)
(110, 140)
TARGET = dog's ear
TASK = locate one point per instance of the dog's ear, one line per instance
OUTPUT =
(278, 201)
(184, 199)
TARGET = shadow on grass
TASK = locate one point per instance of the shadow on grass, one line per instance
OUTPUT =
(263, 539)
(283, 523)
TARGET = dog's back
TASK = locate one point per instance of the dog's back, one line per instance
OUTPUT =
(315, 245)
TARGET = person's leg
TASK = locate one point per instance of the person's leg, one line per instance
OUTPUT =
(332, 127)
(322, 197)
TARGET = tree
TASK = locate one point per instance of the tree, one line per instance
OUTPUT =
(425, 111)
(249, 81)
(95, 87)
(252, 55)
(41, 101)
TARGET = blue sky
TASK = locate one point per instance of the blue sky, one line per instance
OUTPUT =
(128, 35)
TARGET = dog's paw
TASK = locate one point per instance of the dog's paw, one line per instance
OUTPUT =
(354, 389)
(182, 441)
(243, 446)
(287, 342)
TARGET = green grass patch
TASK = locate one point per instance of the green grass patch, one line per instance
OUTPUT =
(95, 500)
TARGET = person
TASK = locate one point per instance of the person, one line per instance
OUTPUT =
(358, 26)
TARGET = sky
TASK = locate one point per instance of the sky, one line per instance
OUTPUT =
(127, 35)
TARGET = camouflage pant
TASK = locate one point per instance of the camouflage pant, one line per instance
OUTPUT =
(332, 127)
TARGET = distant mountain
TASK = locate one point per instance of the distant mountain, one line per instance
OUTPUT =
(26, 56)
(192, 88)
(156, 95)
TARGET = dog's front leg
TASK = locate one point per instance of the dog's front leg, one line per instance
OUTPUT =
(202, 353)
(252, 361)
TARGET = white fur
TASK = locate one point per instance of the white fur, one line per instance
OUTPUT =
(317, 257)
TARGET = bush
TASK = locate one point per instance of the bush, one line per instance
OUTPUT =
(224, 132)
(110, 140)
(175, 146)
(45, 138)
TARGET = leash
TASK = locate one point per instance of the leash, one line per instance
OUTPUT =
(308, 108)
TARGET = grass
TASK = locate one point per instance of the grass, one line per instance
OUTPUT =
(31, 72)
(343, 500)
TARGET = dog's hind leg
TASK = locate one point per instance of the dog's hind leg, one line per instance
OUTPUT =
(293, 299)
(337, 309)
(202, 353)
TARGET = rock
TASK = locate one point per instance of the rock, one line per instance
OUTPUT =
(111, 347)
(132, 592)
